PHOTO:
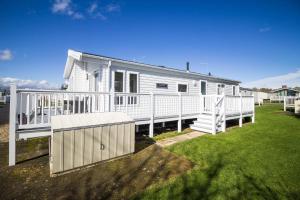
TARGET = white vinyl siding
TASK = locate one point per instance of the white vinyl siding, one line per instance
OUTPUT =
(147, 80)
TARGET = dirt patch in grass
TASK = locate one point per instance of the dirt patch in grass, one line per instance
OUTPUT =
(120, 179)
(171, 134)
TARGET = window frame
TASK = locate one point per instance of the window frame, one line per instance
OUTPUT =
(201, 87)
(234, 90)
(114, 76)
(183, 83)
(162, 88)
(137, 82)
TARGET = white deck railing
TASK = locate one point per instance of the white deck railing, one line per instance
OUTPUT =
(34, 108)
(276, 98)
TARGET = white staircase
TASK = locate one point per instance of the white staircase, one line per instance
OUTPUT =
(213, 119)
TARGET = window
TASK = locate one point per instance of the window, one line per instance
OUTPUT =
(97, 81)
(119, 86)
(182, 87)
(133, 88)
(133, 83)
(233, 90)
(161, 85)
(203, 87)
(119, 81)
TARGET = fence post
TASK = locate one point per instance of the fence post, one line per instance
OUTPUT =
(152, 107)
(284, 103)
(179, 126)
(214, 115)
(224, 114)
(12, 124)
(253, 110)
(241, 112)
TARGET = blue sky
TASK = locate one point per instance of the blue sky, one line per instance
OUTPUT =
(243, 40)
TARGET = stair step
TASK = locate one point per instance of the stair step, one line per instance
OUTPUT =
(203, 122)
(200, 118)
(206, 126)
(200, 129)
(204, 119)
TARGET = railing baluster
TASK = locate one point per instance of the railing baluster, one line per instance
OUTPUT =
(42, 117)
(68, 103)
(84, 103)
(55, 104)
(35, 108)
(49, 108)
(74, 104)
(21, 110)
(27, 108)
(79, 101)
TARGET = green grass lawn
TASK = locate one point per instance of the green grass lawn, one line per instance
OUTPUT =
(258, 161)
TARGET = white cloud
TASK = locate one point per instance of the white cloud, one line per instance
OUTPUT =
(265, 29)
(290, 79)
(6, 54)
(65, 7)
(34, 84)
(94, 12)
(92, 8)
(112, 8)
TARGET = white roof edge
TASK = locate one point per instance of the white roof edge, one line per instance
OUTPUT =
(72, 55)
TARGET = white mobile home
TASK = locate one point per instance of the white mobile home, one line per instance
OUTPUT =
(148, 94)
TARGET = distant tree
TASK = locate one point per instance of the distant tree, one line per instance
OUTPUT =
(265, 90)
(297, 88)
(255, 89)
(64, 86)
(209, 74)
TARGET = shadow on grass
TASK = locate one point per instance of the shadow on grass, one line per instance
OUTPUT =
(212, 183)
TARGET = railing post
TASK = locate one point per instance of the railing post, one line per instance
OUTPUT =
(284, 103)
(214, 115)
(253, 109)
(224, 114)
(179, 126)
(152, 107)
(241, 112)
(12, 125)
(112, 103)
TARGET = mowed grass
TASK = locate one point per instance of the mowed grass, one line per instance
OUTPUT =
(258, 161)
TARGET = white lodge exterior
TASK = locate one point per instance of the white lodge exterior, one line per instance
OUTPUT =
(148, 94)
(93, 73)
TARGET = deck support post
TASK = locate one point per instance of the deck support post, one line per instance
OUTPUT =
(214, 116)
(12, 125)
(241, 112)
(224, 114)
(152, 107)
(253, 110)
(179, 126)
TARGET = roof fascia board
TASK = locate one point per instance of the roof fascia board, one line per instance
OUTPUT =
(147, 67)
